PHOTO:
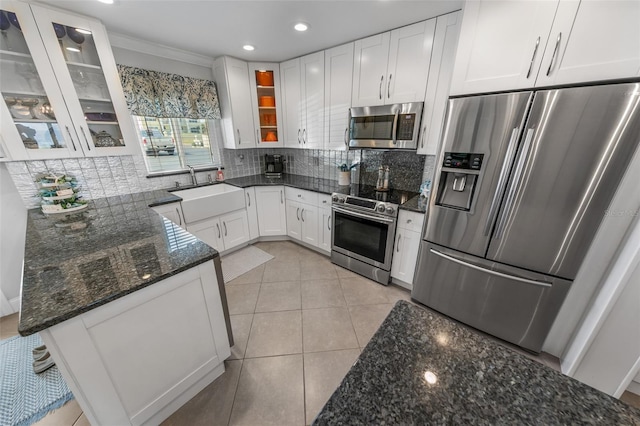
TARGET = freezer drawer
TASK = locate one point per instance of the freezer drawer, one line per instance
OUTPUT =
(515, 305)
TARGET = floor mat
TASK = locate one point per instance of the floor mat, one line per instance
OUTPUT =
(242, 261)
(26, 397)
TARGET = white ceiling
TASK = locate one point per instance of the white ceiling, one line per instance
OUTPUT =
(214, 27)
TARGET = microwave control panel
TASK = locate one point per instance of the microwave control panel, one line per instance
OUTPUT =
(406, 123)
(462, 160)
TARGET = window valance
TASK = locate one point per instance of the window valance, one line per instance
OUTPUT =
(158, 94)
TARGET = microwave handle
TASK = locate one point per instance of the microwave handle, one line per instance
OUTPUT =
(394, 130)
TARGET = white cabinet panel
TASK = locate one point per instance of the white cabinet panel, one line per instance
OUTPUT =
(338, 78)
(235, 229)
(370, 70)
(272, 217)
(294, 225)
(234, 93)
(324, 229)
(208, 231)
(409, 58)
(405, 255)
(291, 102)
(309, 218)
(597, 40)
(438, 84)
(173, 212)
(252, 212)
(312, 85)
(501, 45)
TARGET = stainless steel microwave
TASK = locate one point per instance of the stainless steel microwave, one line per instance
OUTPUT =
(395, 126)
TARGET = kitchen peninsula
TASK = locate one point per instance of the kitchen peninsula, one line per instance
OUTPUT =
(129, 305)
(422, 368)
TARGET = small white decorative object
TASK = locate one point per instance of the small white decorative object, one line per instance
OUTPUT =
(344, 178)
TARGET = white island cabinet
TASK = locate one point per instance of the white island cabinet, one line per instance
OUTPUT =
(136, 360)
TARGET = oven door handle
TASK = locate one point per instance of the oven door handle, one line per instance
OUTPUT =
(364, 216)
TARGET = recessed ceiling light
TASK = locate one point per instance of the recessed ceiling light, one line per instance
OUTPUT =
(248, 47)
(106, 1)
(73, 49)
(301, 26)
(80, 30)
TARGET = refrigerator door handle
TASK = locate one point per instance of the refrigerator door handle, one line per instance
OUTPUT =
(502, 181)
(489, 271)
(515, 183)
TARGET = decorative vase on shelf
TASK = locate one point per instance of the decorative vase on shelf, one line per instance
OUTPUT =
(344, 178)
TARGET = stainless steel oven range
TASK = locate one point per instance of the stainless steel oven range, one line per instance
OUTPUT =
(363, 234)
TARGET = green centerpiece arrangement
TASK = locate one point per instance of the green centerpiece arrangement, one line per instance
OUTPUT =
(59, 194)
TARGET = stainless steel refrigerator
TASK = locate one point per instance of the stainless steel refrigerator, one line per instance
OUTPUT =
(523, 182)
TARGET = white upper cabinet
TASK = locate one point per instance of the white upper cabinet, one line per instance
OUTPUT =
(61, 90)
(303, 101)
(507, 45)
(291, 102)
(312, 87)
(392, 67)
(438, 85)
(370, 70)
(338, 78)
(234, 94)
(264, 79)
(596, 40)
(501, 45)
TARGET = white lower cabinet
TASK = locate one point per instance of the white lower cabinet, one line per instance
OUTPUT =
(405, 249)
(223, 232)
(272, 216)
(173, 212)
(324, 229)
(252, 212)
(302, 222)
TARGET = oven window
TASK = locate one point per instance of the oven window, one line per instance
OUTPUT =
(372, 127)
(364, 237)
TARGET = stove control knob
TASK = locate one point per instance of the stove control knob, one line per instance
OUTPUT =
(380, 208)
(334, 198)
(390, 210)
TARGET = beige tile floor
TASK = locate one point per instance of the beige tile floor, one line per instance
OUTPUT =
(299, 323)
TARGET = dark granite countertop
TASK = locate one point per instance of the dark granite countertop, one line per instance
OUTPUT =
(478, 381)
(77, 262)
(324, 186)
(416, 204)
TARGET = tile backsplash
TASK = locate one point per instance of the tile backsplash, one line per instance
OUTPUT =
(101, 177)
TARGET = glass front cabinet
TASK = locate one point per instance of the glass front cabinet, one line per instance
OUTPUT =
(264, 79)
(60, 86)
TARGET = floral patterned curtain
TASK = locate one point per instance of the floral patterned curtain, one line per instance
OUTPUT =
(158, 94)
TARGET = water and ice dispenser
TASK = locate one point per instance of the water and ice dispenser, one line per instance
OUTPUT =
(458, 179)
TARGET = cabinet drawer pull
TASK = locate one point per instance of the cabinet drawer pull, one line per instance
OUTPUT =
(533, 57)
(298, 214)
(258, 135)
(329, 223)
(73, 144)
(346, 142)
(398, 244)
(302, 215)
(389, 87)
(281, 197)
(424, 130)
(380, 90)
(304, 136)
(218, 226)
(179, 217)
(84, 135)
(555, 50)
(239, 138)
(298, 136)
(225, 228)
(249, 198)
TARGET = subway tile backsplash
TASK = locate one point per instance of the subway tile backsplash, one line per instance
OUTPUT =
(100, 177)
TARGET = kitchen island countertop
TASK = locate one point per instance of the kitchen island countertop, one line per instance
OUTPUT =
(474, 381)
(118, 245)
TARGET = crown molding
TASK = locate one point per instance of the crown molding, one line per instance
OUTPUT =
(130, 43)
